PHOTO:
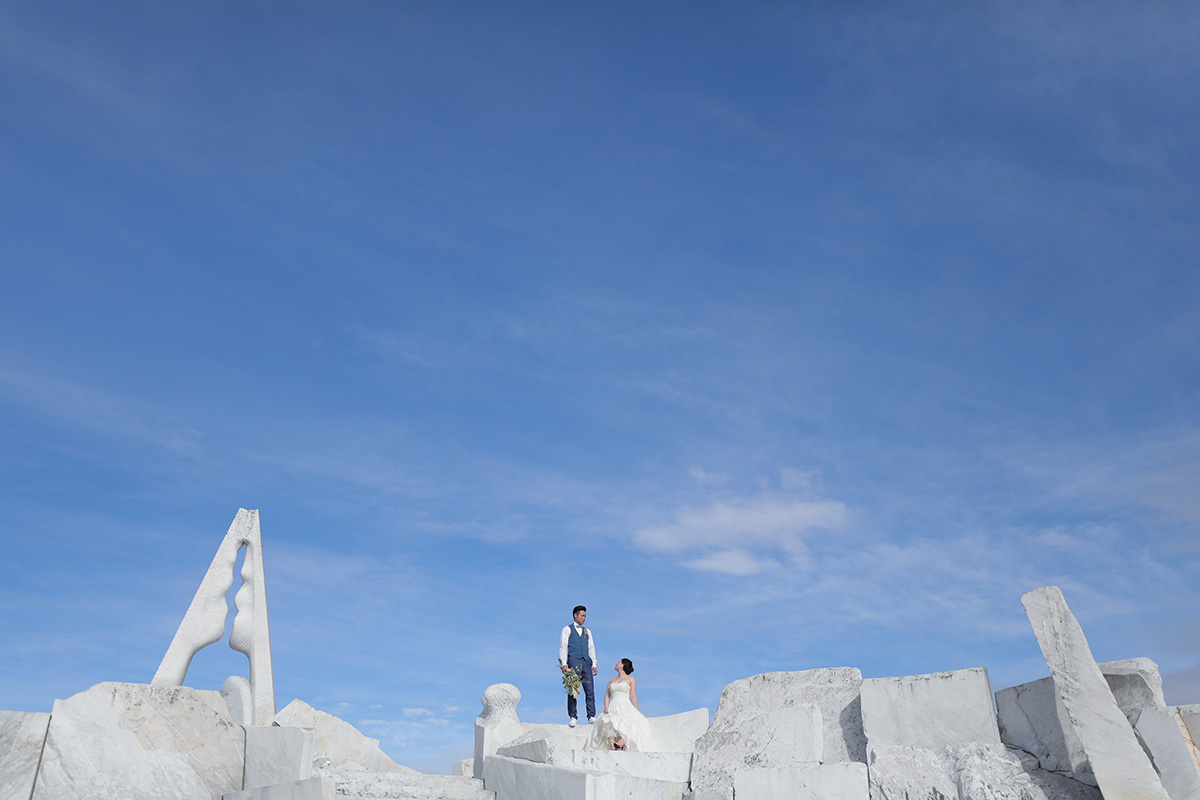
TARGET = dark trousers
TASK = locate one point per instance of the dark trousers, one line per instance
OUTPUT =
(584, 667)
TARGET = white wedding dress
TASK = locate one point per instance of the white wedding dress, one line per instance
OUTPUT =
(621, 720)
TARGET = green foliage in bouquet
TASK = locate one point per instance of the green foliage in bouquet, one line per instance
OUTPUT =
(573, 682)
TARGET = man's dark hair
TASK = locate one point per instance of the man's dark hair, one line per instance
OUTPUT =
(577, 609)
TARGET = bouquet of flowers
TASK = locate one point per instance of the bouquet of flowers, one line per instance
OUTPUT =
(573, 682)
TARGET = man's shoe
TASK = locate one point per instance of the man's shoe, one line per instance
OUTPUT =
(590, 720)
(573, 723)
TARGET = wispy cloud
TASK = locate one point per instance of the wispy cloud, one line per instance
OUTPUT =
(97, 410)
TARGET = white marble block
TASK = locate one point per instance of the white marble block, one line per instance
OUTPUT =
(465, 766)
(677, 733)
(1120, 766)
(769, 721)
(22, 735)
(929, 711)
(909, 773)
(1174, 754)
(843, 781)
(1032, 718)
(340, 741)
(1135, 684)
(517, 779)
(308, 789)
(140, 742)
(498, 723)
(1190, 714)
(277, 755)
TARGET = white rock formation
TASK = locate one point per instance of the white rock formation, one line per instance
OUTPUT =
(842, 781)
(1169, 743)
(464, 766)
(204, 622)
(498, 723)
(778, 706)
(1122, 770)
(22, 736)
(929, 711)
(139, 742)
(1135, 684)
(341, 743)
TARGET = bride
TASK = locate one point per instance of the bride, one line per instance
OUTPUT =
(621, 726)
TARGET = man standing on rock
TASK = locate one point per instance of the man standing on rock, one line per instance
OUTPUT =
(577, 651)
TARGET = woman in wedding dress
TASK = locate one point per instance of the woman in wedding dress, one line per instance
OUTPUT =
(621, 726)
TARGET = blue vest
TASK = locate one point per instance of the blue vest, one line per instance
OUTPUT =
(577, 646)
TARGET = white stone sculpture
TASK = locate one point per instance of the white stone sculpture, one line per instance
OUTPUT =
(929, 711)
(204, 622)
(1122, 769)
(498, 723)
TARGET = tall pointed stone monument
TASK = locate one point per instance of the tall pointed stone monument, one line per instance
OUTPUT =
(204, 622)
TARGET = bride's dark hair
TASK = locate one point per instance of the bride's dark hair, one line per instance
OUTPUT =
(628, 665)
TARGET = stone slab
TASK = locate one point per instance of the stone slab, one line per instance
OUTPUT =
(678, 733)
(1120, 766)
(929, 711)
(517, 779)
(140, 742)
(542, 743)
(342, 743)
(465, 766)
(1172, 751)
(308, 789)
(842, 781)
(277, 755)
(755, 711)
(1190, 714)
(1135, 683)
(22, 735)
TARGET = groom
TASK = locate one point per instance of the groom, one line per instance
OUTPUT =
(577, 651)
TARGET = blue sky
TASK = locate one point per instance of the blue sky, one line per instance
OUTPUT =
(782, 335)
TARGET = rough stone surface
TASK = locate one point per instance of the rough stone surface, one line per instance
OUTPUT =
(22, 735)
(1190, 715)
(929, 711)
(277, 755)
(498, 723)
(341, 743)
(754, 711)
(542, 743)
(134, 741)
(1122, 770)
(909, 773)
(410, 785)
(843, 781)
(465, 766)
(1135, 684)
(1172, 751)
(988, 772)
(308, 789)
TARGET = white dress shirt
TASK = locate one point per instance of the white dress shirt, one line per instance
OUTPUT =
(566, 637)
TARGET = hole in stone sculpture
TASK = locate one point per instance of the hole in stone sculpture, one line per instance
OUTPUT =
(213, 664)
